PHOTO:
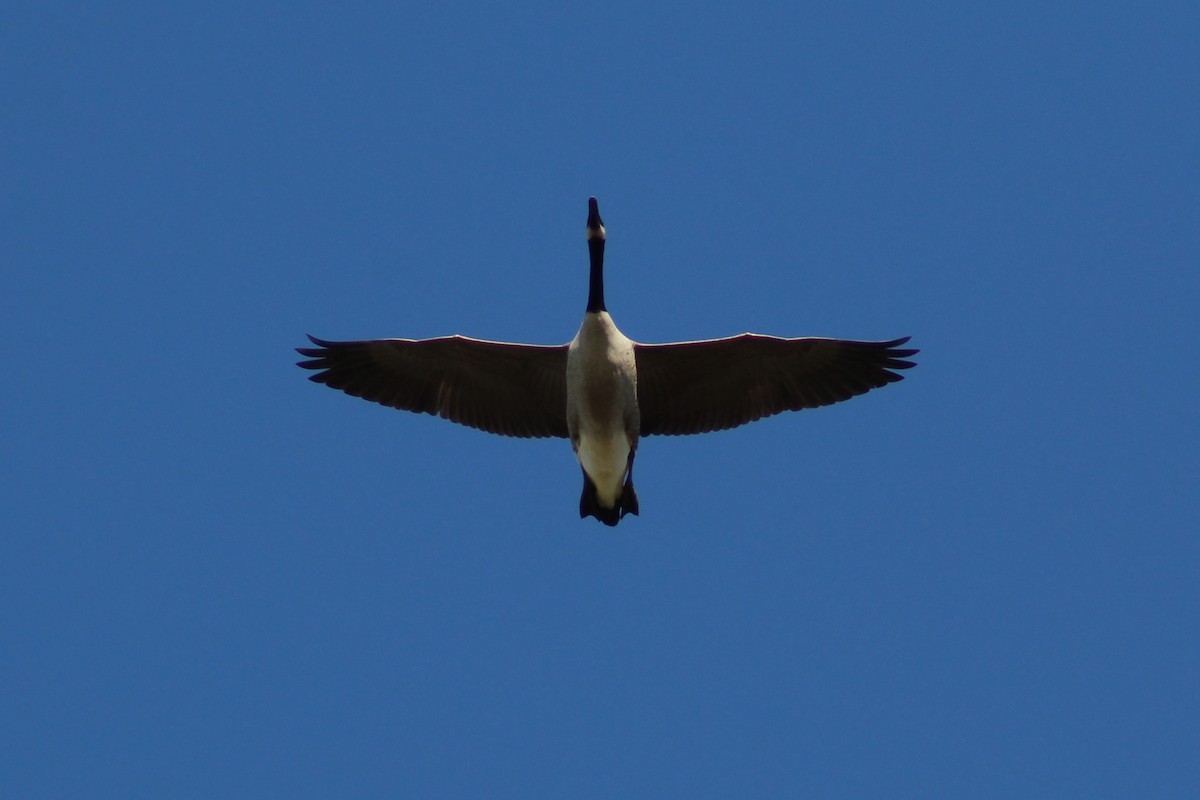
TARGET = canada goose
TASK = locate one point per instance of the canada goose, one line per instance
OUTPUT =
(602, 390)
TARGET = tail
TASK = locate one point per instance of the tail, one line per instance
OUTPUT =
(589, 502)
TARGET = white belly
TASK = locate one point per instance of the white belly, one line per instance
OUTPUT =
(604, 457)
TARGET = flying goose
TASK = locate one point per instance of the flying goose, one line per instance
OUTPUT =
(603, 390)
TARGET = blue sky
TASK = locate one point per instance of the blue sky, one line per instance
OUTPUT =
(221, 580)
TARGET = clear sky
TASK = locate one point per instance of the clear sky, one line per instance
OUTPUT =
(220, 580)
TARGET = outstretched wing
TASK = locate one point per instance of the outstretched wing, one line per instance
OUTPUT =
(499, 387)
(694, 387)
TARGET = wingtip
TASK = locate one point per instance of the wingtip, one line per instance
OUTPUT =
(896, 354)
(319, 352)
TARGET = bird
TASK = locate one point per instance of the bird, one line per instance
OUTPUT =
(602, 390)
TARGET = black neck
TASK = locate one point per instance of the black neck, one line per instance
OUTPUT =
(596, 284)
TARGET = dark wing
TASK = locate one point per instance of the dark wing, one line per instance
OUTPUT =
(510, 389)
(694, 387)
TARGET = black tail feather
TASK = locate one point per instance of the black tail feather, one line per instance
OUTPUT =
(589, 505)
(628, 501)
(589, 502)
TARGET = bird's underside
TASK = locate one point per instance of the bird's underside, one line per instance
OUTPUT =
(682, 387)
(604, 391)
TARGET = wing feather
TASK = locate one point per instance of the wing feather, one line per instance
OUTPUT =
(499, 387)
(694, 387)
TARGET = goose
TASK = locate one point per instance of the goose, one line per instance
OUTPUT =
(602, 390)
